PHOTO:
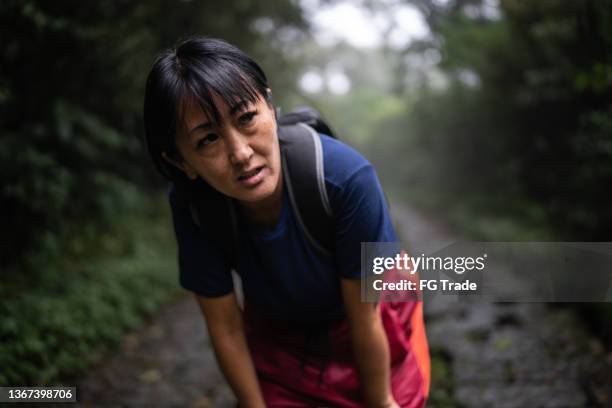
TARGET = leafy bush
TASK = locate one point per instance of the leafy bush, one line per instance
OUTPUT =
(59, 320)
(72, 79)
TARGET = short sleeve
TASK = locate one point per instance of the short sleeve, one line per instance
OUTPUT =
(203, 268)
(359, 207)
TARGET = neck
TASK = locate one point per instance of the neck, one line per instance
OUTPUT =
(265, 212)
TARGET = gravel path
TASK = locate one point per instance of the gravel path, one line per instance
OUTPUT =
(499, 354)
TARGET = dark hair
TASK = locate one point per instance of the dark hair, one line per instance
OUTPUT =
(195, 70)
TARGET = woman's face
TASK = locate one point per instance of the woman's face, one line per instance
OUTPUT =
(240, 157)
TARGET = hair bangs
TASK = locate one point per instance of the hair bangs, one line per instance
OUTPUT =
(205, 85)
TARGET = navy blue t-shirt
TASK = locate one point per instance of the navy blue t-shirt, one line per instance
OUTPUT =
(283, 276)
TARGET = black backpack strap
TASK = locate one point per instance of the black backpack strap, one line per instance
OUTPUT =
(302, 161)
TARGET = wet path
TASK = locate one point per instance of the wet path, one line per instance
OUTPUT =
(510, 354)
(498, 355)
(169, 363)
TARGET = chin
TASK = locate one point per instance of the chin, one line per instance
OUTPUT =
(261, 193)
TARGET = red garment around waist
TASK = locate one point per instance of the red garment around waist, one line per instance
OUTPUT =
(315, 368)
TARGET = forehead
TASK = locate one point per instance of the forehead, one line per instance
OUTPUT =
(194, 112)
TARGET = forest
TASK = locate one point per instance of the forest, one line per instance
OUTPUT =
(498, 121)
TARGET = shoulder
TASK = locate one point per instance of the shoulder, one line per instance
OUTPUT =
(341, 162)
(351, 181)
(357, 202)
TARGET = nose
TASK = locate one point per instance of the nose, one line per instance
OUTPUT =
(239, 148)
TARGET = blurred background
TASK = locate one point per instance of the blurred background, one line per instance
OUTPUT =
(488, 118)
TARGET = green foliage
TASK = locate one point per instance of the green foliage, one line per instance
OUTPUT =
(56, 323)
(353, 115)
(82, 257)
(71, 87)
(442, 386)
(522, 129)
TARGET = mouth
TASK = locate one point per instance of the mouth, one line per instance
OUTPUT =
(251, 174)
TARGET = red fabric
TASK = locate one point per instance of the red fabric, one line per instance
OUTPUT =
(278, 354)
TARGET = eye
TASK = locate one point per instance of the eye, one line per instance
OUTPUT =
(247, 118)
(208, 139)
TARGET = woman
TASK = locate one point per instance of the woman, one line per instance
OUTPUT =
(304, 337)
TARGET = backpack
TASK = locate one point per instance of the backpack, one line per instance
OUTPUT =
(302, 164)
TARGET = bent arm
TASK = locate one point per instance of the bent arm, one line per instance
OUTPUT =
(225, 326)
(370, 346)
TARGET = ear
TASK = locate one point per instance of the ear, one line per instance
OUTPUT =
(181, 165)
